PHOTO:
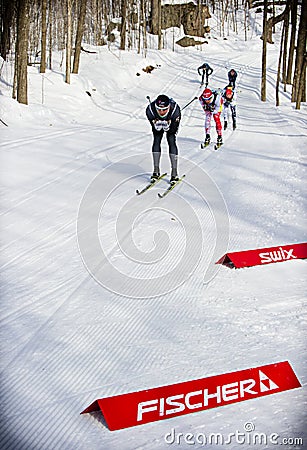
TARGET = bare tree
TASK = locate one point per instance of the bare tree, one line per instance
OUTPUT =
(283, 43)
(50, 14)
(102, 15)
(143, 28)
(156, 20)
(272, 21)
(153, 23)
(160, 43)
(264, 51)
(79, 35)
(292, 41)
(7, 13)
(302, 84)
(21, 53)
(68, 41)
(94, 19)
(44, 37)
(123, 25)
(245, 19)
(300, 60)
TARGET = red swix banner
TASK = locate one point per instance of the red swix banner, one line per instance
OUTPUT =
(137, 408)
(264, 256)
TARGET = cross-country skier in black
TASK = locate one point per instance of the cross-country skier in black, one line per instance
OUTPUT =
(205, 70)
(164, 116)
(232, 76)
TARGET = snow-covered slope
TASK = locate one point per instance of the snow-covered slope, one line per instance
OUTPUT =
(68, 337)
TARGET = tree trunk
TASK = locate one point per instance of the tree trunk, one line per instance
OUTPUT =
(50, 13)
(154, 22)
(99, 19)
(123, 25)
(144, 27)
(14, 90)
(68, 42)
(245, 20)
(299, 72)
(285, 46)
(43, 37)
(282, 41)
(292, 41)
(264, 50)
(21, 56)
(79, 35)
(302, 85)
(7, 16)
(159, 25)
(272, 21)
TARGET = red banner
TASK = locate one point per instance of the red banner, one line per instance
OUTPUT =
(137, 408)
(264, 256)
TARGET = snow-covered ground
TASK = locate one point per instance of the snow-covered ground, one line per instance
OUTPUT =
(152, 309)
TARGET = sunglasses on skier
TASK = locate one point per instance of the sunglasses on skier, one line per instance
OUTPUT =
(162, 111)
(162, 108)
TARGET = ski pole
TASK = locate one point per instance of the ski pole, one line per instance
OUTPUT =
(148, 98)
(189, 103)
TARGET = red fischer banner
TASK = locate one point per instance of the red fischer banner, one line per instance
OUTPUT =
(264, 256)
(138, 408)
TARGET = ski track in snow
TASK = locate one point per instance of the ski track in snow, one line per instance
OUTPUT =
(68, 341)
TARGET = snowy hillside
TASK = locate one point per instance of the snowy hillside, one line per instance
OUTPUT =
(141, 303)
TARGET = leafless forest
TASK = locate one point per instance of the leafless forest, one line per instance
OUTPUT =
(31, 30)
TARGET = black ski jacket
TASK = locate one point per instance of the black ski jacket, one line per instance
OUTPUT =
(206, 67)
(174, 115)
(232, 77)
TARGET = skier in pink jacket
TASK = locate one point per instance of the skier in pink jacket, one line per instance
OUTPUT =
(212, 104)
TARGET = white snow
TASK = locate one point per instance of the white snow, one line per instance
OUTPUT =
(149, 316)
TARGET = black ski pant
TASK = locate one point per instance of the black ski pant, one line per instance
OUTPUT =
(172, 148)
(205, 74)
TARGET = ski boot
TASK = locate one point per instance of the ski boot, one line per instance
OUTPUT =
(155, 175)
(225, 124)
(207, 141)
(174, 179)
(234, 124)
(174, 176)
(219, 142)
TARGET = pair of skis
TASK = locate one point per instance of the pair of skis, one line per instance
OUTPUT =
(216, 146)
(155, 181)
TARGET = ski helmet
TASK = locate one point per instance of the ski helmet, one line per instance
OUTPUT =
(207, 95)
(162, 102)
(229, 93)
